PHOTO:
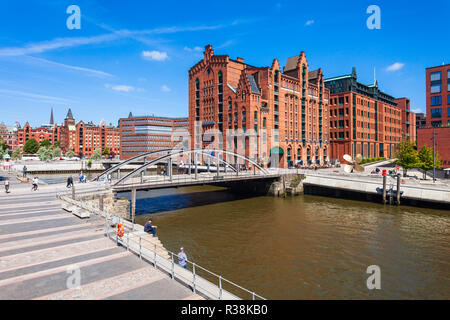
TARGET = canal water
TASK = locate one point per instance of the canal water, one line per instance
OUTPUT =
(306, 247)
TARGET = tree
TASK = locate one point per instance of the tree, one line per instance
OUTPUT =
(16, 154)
(3, 143)
(89, 163)
(56, 152)
(97, 154)
(70, 153)
(3, 152)
(105, 152)
(46, 143)
(407, 156)
(31, 146)
(57, 144)
(426, 160)
(45, 153)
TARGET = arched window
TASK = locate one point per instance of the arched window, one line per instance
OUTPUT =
(220, 77)
(264, 123)
(197, 84)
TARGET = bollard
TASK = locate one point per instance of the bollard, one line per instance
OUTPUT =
(398, 190)
(73, 192)
(140, 248)
(384, 189)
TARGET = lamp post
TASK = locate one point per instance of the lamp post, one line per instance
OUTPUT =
(434, 156)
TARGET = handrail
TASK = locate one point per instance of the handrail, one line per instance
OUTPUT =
(196, 282)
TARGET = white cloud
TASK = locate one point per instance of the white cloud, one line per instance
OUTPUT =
(195, 49)
(60, 43)
(155, 55)
(309, 22)
(120, 88)
(76, 68)
(35, 97)
(165, 88)
(225, 44)
(395, 66)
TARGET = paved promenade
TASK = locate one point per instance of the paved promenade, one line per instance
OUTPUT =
(43, 249)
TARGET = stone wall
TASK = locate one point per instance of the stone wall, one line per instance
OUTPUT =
(118, 207)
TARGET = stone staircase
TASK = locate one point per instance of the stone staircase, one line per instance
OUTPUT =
(148, 241)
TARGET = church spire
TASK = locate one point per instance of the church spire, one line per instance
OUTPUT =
(69, 115)
(51, 117)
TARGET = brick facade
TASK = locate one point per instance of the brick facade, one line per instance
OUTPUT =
(438, 95)
(363, 120)
(275, 116)
(408, 119)
(442, 141)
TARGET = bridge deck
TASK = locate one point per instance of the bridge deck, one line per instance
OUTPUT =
(159, 182)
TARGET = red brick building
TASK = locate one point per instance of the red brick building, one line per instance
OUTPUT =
(363, 119)
(83, 138)
(408, 119)
(438, 113)
(50, 132)
(273, 115)
(442, 142)
(143, 134)
(438, 96)
(9, 135)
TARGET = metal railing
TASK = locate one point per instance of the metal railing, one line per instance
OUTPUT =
(180, 179)
(196, 277)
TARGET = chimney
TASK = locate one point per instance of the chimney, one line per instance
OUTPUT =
(240, 60)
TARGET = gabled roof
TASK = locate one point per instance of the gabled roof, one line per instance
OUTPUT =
(292, 63)
(313, 74)
(253, 85)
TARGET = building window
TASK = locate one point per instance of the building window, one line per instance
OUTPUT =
(436, 124)
(436, 113)
(436, 101)
(435, 88)
(435, 76)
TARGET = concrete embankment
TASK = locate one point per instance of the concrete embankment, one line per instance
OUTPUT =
(437, 196)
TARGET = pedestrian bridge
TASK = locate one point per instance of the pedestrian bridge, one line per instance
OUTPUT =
(218, 170)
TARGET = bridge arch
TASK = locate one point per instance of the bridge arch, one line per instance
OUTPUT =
(171, 153)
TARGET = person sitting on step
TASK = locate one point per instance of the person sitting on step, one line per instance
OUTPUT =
(149, 228)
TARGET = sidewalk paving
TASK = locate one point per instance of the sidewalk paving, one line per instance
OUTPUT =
(41, 245)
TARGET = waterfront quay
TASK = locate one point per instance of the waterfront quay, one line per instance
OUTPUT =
(48, 253)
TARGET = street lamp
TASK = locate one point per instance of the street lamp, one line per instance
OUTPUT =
(434, 156)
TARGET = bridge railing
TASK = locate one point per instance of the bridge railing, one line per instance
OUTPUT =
(185, 178)
(198, 278)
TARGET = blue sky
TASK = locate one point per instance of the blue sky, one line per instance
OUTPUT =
(135, 55)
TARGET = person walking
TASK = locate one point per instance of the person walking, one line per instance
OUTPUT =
(182, 258)
(24, 170)
(35, 184)
(7, 186)
(69, 182)
(149, 228)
